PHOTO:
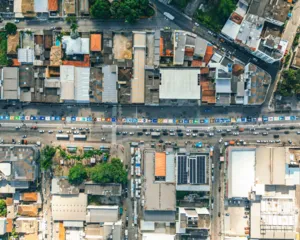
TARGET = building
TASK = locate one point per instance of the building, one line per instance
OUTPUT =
(26, 225)
(96, 42)
(108, 189)
(296, 59)
(110, 78)
(3, 223)
(192, 172)
(13, 42)
(160, 204)
(28, 210)
(61, 186)
(52, 6)
(69, 7)
(41, 6)
(84, 7)
(181, 84)
(10, 89)
(138, 81)
(76, 46)
(69, 207)
(194, 222)
(96, 214)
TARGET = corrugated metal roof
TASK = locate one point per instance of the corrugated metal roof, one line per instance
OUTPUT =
(82, 84)
(159, 216)
(160, 164)
(102, 214)
(73, 224)
(110, 93)
(170, 168)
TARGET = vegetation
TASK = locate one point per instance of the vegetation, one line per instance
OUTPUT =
(3, 49)
(287, 60)
(296, 40)
(74, 27)
(77, 174)
(217, 15)
(71, 19)
(129, 10)
(109, 172)
(180, 3)
(10, 28)
(3, 209)
(47, 154)
(290, 83)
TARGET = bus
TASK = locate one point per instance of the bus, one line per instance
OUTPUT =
(155, 134)
(79, 137)
(169, 16)
(62, 137)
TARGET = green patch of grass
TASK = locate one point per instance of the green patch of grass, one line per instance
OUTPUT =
(3, 49)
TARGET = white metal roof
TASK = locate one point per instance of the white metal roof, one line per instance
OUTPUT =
(241, 172)
(69, 207)
(5, 168)
(110, 93)
(179, 83)
(41, 6)
(96, 214)
(67, 73)
(82, 84)
(76, 46)
(158, 236)
(231, 29)
(170, 168)
(25, 55)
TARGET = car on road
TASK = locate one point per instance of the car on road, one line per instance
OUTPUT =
(194, 134)
(211, 134)
(221, 140)
(298, 132)
(124, 133)
(180, 134)
(144, 130)
(147, 133)
(18, 127)
(172, 134)
(265, 133)
(42, 131)
(17, 20)
(271, 141)
(161, 141)
(201, 134)
(278, 141)
(286, 132)
(140, 133)
(76, 132)
(131, 133)
(73, 128)
(276, 136)
(228, 130)
(235, 133)
(50, 131)
(197, 24)
(60, 131)
(258, 141)
(178, 130)
(255, 133)
(188, 134)
(290, 141)
(24, 136)
(103, 139)
(165, 133)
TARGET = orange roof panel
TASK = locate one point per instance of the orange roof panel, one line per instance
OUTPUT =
(28, 210)
(208, 54)
(96, 43)
(84, 63)
(9, 225)
(30, 197)
(53, 5)
(62, 231)
(160, 164)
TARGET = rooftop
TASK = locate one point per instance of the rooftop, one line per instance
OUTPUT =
(179, 47)
(69, 207)
(28, 210)
(55, 56)
(76, 46)
(29, 196)
(69, 7)
(13, 42)
(194, 218)
(179, 83)
(110, 78)
(241, 172)
(10, 82)
(61, 186)
(96, 42)
(96, 214)
(53, 5)
(158, 196)
(26, 225)
(108, 189)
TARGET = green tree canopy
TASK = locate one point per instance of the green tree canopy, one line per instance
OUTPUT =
(3, 209)
(77, 174)
(100, 9)
(47, 154)
(290, 83)
(113, 172)
(10, 28)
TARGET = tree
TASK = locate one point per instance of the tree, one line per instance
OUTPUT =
(77, 174)
(74, 27)
(101, 9)
(47, 154)
(113, 172)
(10, 28)
(3, 209)
(225, 8)
(71, 19)
(290, 83)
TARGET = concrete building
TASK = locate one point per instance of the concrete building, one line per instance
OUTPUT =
(10, 89)
(159, 195)
(96, 214)
(180, 85)
(69, 207)
(138, 81)
(110, 78)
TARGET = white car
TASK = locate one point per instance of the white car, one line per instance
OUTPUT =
(148, 133)
(236, 133)
(211, 134)
(73, 128)
(60, 131)
(172, 134)
(255, 133)
(50, 131)
(41, 131)
(76, 132)
(197, 24)
(103, 139)
(258, 141)
(131, 133)
(195, 134)
(188, 134)
(221, 140)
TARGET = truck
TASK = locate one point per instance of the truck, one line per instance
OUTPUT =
(169, 16)
(155, 134)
